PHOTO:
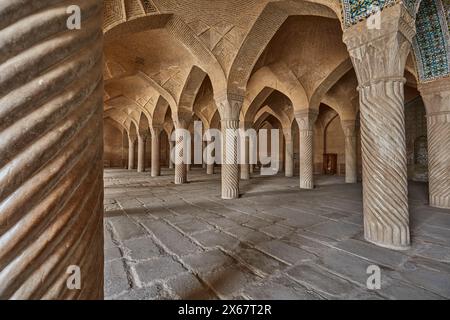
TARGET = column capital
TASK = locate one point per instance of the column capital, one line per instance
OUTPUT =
(181, 119)
(229, 106)
(287, 132)
(132, 138)
(349, 127)
(380, 54)
(245, 125)
(306, 118)
(156, 129)
(436, 96)
(143, 136)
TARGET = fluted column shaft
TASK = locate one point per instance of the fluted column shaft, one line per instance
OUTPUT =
(385, 187)
(289, 153)
(436, 96)
(349, 127)
(230, 166)
(156, 152)
(306, 120)
(141, 153)
(51, 150)
(131, 151)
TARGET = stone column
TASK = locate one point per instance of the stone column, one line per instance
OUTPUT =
(289, 152)
(229, 108)
(131, 146)
(141, 153)
(180, 166)
(204, 144)
(156, 151)
(306, 120)
(349, 127)
(51, 150)
(436, 96)
(171, 146)
(230, 166)
(379, 57)
(209, 167)
(245, 166)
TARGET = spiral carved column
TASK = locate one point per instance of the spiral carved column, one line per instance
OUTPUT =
(156, 149)
(306, 120)
(230, 166)
(141, 153)
(289, 153)
(180, 165)
(51, 149)
(131, 148)
(385, 188)
(385, 196)
(436, 96)
(349, 127)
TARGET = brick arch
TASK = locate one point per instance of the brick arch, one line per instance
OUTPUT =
(192, 84)
(122, 102)
(117, 12)
(139, 15)
(266, 26)
(282, 118)
(263, 118)
(331, 79)
(159, 112)
(264, 82)
(115, 123)
(143, 124)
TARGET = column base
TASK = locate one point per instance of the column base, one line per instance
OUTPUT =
(306, 186)
(230, 194)
(180, 181)
(394, 238)
(156, 174)
(440, 202)
(389, 246)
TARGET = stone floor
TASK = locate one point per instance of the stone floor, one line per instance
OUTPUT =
(277, 242)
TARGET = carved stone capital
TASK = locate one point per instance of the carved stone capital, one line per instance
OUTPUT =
(349, 127)
(306, 119)
(132, 138)
(181, 119)
(287, 132)
(229, 106)
(156, 130)
(436, 96)
(380, 54)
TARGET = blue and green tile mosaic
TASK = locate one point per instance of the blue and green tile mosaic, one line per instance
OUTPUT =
(431, 44)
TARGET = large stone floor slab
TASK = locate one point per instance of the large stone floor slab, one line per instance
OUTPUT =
(166, 241)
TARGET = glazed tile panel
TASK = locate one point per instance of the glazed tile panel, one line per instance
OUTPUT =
(431, 44)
